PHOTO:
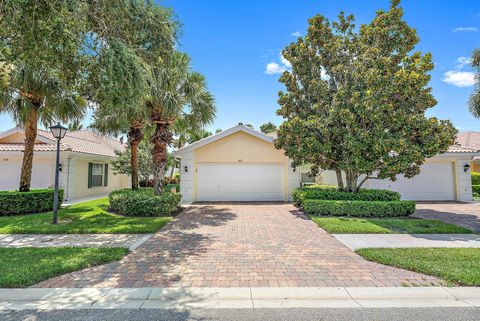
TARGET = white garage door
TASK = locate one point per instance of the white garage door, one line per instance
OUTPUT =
(434, 183)
(10, 176)
(240, 182)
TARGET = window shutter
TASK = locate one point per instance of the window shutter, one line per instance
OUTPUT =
(90, 169)
(105, 176)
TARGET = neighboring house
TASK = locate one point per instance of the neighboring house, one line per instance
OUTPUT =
(471, 140)
(84, 159)
(242, 164)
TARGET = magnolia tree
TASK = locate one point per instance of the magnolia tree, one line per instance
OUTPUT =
(356, 98)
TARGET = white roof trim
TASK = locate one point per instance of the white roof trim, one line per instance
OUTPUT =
(220, 135)
(15, 130)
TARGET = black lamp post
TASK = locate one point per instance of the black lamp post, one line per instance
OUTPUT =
(58, 131)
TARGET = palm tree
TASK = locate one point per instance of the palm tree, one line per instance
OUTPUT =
(176, 92)
(45, 67)
(185, 130)
(129, 35)
(75, 125)
(35, 96)
(474, 102)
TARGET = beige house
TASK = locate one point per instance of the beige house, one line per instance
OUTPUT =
(84, 163)
(242, 164)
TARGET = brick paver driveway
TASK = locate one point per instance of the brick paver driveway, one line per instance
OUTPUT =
(462, 214)
(232, 245)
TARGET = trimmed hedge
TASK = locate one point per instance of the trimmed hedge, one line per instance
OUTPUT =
(34, 201)
(325, 192)
(475, 178)
(359, 208)
(142, 202)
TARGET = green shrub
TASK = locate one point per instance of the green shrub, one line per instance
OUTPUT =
(142, 202)
(359, 208)
(325, 192)
(475, 178)
(476, 189)
(34, 201)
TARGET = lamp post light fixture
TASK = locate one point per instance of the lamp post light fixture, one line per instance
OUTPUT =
(58, 131)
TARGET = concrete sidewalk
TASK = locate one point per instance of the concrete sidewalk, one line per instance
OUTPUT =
(358, 241)
(246, 298)
(130, 241)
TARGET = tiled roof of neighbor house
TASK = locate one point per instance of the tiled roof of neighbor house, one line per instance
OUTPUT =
(80, 141)
(469, 139)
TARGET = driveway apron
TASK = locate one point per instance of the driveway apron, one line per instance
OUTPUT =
(241, 245)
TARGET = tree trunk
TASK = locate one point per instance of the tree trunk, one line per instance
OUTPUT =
(351, 178)
(135, 136)
(160, 139)
(30, 138)
(339, 179)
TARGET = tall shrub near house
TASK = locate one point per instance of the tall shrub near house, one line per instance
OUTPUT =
(41, 44)
(355, 100)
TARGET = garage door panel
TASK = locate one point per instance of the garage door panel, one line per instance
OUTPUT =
(240, 182)
(434, 183)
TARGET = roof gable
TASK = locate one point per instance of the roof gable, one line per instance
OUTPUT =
(221, 135)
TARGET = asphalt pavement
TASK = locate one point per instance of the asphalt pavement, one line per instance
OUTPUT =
(388, 314)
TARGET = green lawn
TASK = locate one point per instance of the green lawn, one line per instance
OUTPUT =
(22, 267)
(340, 225)
(457, 266)
(86, 217)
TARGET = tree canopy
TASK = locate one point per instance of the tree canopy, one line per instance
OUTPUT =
(474, 102)
(355, 100)
(268, 127)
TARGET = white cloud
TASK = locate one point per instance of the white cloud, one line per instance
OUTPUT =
(459, 78)
(465, 29)
(274, 68)
(296, 34)
(285, 62)
(462, 62)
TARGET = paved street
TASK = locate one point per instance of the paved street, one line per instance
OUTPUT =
(241, 245)
(394, 314)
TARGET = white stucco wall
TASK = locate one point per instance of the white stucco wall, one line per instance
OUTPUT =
(187, 179)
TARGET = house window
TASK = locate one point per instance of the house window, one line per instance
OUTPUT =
(97, 175)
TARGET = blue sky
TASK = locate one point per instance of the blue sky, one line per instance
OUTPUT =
(232, 41)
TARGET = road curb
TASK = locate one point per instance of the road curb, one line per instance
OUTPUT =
(225, 298)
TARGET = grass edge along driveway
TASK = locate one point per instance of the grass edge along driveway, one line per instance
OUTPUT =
(82, 218)
(22, 267)
(457, 266)
(350, 225)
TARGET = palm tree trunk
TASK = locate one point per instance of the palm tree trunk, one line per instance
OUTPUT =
(135, 136)
(160, 139)
(30, 138)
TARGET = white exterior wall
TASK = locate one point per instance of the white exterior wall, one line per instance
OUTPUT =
(463, 180)
(293, 178)
(187, 179)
